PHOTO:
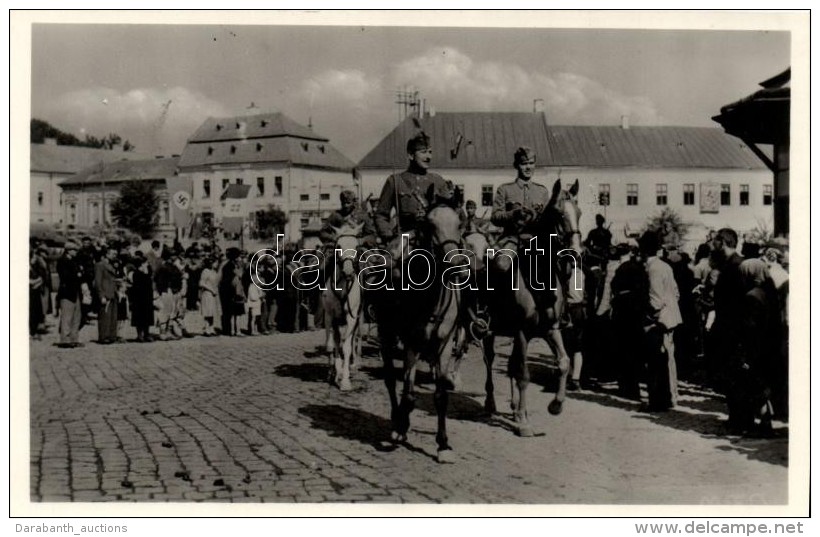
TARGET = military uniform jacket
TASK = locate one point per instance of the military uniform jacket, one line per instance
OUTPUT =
(514, 195)
(338, 219)
(412, 190)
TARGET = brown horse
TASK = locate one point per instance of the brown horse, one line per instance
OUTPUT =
(424, 322)
(524, 315)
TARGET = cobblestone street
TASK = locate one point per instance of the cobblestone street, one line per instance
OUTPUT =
(252, 419)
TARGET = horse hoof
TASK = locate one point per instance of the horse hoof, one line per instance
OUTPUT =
(555, 407)
(345, 385)
(489, 406)
(446, 456)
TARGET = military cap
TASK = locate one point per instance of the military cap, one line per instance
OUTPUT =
(523, 153)
(346, 196)
(418, 142)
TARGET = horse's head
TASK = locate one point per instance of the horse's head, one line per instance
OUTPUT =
(562, 215)
(443, 222)
(347, 240)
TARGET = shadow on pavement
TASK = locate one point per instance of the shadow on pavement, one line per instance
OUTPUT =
(312, 372)
(705, 417)
(355, 424)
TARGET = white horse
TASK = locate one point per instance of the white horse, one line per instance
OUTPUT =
(342, 301)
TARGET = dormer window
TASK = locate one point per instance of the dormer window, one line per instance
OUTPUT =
(210, 151)
(264, 123)
(233, 149)
(258, 148)
(218, 127)
(304, 146)
(321, 148)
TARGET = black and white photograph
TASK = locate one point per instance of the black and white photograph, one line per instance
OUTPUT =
(389, 262)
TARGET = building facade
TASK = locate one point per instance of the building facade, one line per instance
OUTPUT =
(287, 166)
(50, 165)
(627, 174)
(88, 196)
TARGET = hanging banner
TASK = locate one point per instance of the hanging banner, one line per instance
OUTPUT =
(709, 198)
(180, 191)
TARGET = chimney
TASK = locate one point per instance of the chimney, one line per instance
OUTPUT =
(538, 106)
(625, 122)
(50, 141)
(431, 112)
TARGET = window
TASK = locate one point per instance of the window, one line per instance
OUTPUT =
(218, 127)
(210, 151)
(744, 194)
(305, 222)
(240, 181)
(166, 212)
(260, 186)
(225, 183)
(486, 195)
(277, 185)
(725, 194)
(661, 191)
(304, 146)
(258, 148)
(40, 199)
(95, 212)
(689, 194)
(304, 197)
(321, 148)
(264, 123)
(324, 197)
(233, 149)
(603, 194)
(72, 213)
(206, 188)
(632, 193)
(767, 194)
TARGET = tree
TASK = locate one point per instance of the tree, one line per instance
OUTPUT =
(270, 222)
(40, 130)
(137, 208)
(669, 226)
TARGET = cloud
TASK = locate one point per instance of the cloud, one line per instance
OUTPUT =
(451, 80)
(156, 120)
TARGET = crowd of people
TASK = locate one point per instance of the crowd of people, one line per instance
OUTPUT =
(719, 319)
(116, 283)
(648, 312)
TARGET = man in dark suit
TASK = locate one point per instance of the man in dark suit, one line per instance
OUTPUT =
(105, 282)
(69, 296)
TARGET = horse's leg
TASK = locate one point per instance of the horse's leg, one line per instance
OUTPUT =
(408, 395)
(387, 346)
(556, 343)
(335, 357)
(488, 354)
(519, 372)
(343, 365)
(441, 399)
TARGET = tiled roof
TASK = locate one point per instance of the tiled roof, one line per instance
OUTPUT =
(465, 140)
(118, 172)
(68, 159)
(649, 147)
(489, 139)
(296, 151)
(256, 126)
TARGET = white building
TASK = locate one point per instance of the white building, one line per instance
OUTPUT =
(627, 174)
(287, 165)
(51, 164)
(88, 195)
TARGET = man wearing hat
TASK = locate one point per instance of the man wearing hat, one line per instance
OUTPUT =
(473, 223)
(517, 205)
(105, 283)
(405, 192)
(69, 296)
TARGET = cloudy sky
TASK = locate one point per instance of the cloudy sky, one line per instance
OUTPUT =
(154, 85)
